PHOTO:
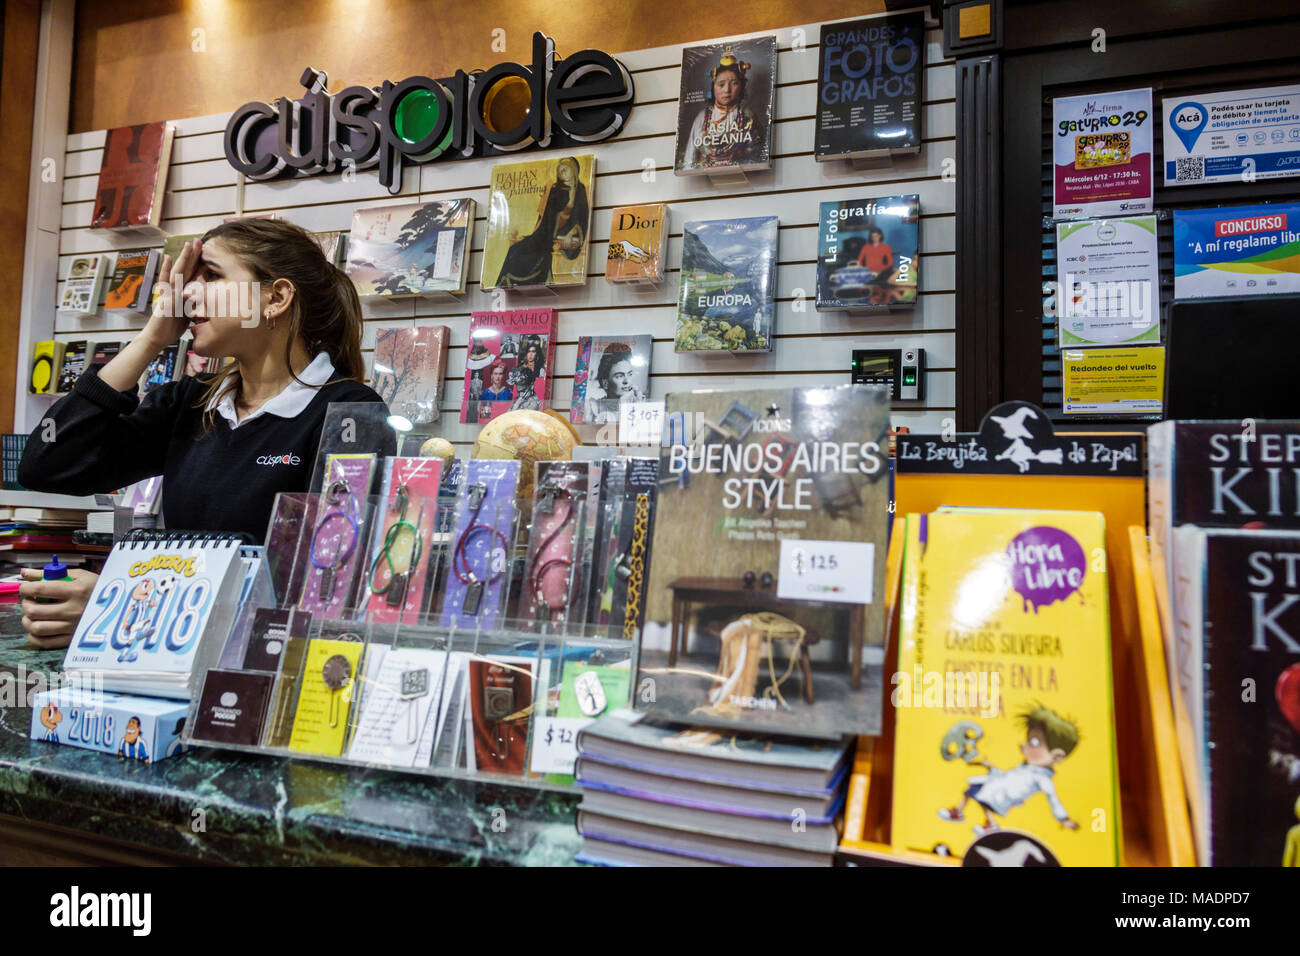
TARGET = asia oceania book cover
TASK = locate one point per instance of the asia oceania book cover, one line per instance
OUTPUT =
(412, 249)
(867, 253)
(132, 177)
(728, 286)
(764, 609)
(539, 220)
(509, 363)
(610, 370)
(725, 107)
(638, 243)
(407, 370)
(869, 87)
(1005, 714)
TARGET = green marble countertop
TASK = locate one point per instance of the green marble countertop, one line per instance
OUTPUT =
(228, 807)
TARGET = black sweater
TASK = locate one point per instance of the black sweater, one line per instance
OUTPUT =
(225, 480)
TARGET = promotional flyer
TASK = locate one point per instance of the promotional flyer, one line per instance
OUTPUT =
(1101, 148)
(1113, 381)
(1236, 250)
(1109, 282)
(1238, 136)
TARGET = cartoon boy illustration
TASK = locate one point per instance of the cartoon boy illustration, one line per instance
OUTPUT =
(1049, 739)
(132, 745)
(136, 622)
(1291, 852)
(50, 718)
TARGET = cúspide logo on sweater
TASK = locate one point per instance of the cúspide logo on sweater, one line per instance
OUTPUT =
(273, 460)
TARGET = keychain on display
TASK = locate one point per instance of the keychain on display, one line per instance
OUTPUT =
(336, 674)
(460, 565)
(547, 504)
(394, 591)
(415, 685)
(341, 554)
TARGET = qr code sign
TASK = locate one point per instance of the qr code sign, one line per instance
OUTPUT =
(1189, 169)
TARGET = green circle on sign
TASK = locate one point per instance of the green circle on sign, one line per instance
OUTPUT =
(415, 117)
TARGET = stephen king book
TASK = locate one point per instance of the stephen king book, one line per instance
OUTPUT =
(509, 363)
(539, 217)
(765, 601)
(638, 243)
(1005, 717)
(1238, 610)
(131, 285)
(866, 253)
(725, 107)
(408, 368)
(133, 177)
(610, 370)
(869, 87)
(412, 249)
(728, 286)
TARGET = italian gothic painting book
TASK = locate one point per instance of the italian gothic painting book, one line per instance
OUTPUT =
(407, 370)
(1238, 617)
(867, 253)
(131, 285)
(725, 107)
(133, 177)
(764, 609)
(509, 364)
(610, 370)
(539, 217)
(638, 243)
(417, 248)
(1005, 718)
(728, 286)
(869, 87)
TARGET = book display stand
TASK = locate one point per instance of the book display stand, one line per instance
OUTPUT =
(1018, 461)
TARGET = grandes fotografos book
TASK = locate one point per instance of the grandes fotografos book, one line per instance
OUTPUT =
(1005, 718)
(867, 253)
(765, 605)
(727, 299)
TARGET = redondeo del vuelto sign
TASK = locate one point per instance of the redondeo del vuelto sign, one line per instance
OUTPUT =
(557, 102)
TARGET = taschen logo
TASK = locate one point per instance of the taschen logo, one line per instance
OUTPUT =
(273, 460)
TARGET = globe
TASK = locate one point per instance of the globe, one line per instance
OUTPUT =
(441, 449)
(526, 436)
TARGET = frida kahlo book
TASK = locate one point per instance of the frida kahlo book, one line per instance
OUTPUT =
(509, 363)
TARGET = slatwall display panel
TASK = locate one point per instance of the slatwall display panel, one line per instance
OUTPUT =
(1167, 199)
(810, 347)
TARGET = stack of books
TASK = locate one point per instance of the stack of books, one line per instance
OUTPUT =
(656, 794)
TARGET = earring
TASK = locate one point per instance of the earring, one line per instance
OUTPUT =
(270, 316)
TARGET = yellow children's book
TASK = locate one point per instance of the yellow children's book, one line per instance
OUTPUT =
(1005, 722)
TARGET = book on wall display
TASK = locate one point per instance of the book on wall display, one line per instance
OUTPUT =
(867, 253)
(133, 177)
(47, 356)
(162, 368)
(764, 504)
(638, 243)
(509, 364)
(1005, 714)
(1237, 250)
(82, 287)
(539, 221)
(725, 107)
(333, 245)
(1238, 625)
(76, 359)
(728, 286)
(869, 80)
(131, 285)
(610, 370)
(104, 352)
(407, 370)
(411, 249)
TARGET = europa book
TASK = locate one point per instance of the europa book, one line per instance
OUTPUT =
(869, 87)
(408, 368)
(47, 356)
(82, 287)
(539, 219)
(638, 243)
(725, 107)
(1238, 616)
(76, 356)
(610, 370)
(1003, 703)
(769, 544)
(728, 286)
(509, 363)
(866, 253)
(133, 177)
(131, 285)
(411, 249)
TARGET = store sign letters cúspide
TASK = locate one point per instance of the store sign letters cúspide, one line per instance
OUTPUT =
(583, 98)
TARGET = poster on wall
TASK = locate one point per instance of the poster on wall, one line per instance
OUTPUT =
(1101, 150)
(1113, 381)
(724, 113)
(1237, 250)
(1239, 136)
(1109, 282)
(869, 87)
